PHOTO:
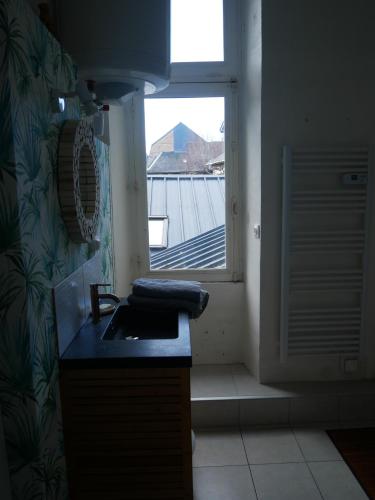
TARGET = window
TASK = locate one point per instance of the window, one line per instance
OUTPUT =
(158, 232)
(190, 145)
(186, 180)
(205, 20)
(204, 37)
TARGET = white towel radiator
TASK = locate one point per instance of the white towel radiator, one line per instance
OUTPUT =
(324, 228)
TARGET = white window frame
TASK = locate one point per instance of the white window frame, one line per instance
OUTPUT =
(211, 79)
(232, 272)
(215, 71)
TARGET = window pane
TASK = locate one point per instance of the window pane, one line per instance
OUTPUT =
(156, 232)
(186, 180)
(197, 30)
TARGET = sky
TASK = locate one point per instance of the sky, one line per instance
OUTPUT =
(196, 30)
(196, 35)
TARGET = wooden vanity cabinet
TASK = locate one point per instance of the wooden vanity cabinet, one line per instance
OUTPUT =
(127, 433)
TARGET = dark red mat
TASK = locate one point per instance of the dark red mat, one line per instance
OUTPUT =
(357, 447)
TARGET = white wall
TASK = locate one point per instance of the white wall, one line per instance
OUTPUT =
(318, 88)
(218, 334)
(308, 79)
(250, 162)
(123, 205)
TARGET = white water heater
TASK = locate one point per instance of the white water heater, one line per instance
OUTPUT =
(122, 45)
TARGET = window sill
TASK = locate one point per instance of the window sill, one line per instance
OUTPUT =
(204, 276)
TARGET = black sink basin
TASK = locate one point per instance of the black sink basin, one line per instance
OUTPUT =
(132, 325)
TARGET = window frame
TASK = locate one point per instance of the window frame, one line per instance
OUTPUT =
(232, 272)
(214, 71)
(201, 79)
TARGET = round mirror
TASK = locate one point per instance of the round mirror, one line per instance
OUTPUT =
(87, 180)
(79, 187)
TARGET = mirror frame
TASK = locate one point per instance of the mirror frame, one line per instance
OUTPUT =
(74, 136)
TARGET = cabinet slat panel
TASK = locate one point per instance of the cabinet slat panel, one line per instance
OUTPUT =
(170, 390)
(87, 375)
(127, 433)
(80, 425)
(111, 382)
(136, 495)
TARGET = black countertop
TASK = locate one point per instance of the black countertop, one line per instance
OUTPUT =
(88, 350)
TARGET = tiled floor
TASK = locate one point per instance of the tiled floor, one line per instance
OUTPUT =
(281, 451)
(228, 395)
(270, 464)
(228, 381)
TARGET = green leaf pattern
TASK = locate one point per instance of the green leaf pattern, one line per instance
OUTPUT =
(35, 250)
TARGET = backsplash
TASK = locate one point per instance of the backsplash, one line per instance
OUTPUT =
(72, 301)
(35, 251)
(70, 308)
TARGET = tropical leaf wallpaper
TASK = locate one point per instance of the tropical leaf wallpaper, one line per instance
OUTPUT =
(35, 251)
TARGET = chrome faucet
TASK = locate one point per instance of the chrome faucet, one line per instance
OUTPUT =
(95, 299)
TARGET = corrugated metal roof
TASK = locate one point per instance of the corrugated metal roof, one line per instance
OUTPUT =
(194, 204)
(205, 251)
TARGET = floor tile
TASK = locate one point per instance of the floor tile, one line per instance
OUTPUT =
(354, 424)
(264, 411)
(314, 409)
(218, 447)
(212, 381)
(324, 426)
(316, 445)
(269, 446)
(220, 413)
(247, 385)
(361, 407)
(284, 482)
(223, 483)
(336, 482)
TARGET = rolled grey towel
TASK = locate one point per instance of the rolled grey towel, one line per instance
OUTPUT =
(168, 289)
(155, 304)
